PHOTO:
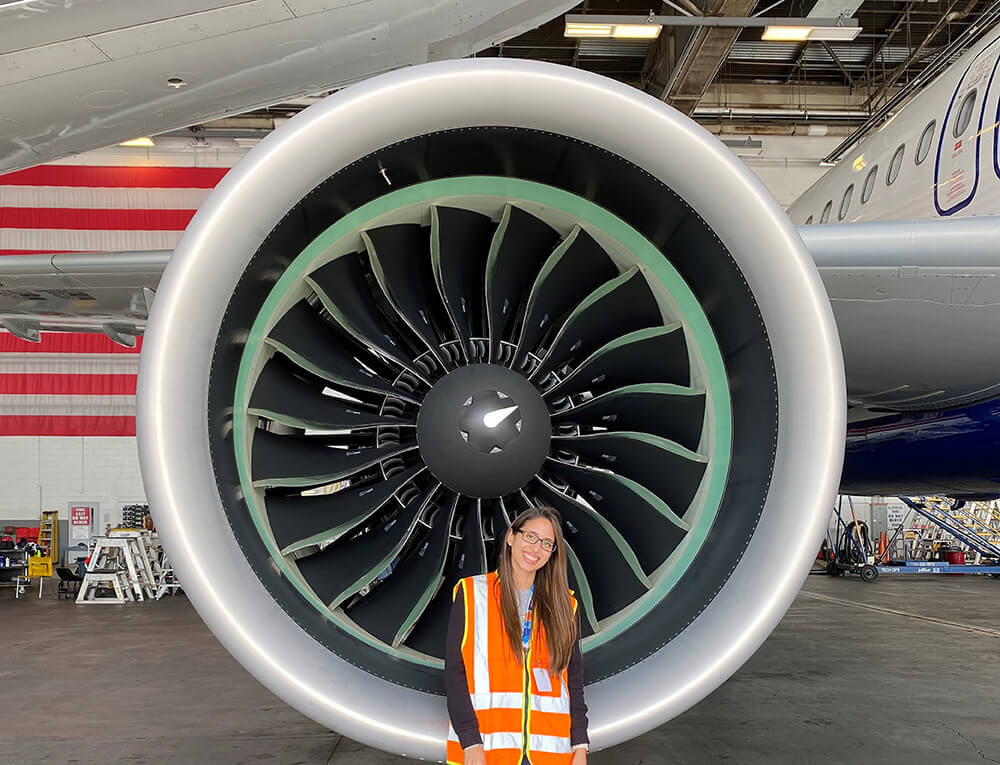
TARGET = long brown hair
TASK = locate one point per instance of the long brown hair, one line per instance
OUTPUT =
(551, 605)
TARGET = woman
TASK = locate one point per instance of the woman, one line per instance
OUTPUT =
(513, 669)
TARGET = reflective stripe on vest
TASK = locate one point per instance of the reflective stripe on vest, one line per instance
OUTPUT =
(481, 644)
(496, 680)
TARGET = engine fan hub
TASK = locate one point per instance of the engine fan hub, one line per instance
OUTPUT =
(483, 430)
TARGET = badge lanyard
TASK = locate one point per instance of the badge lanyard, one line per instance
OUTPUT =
(526, 631)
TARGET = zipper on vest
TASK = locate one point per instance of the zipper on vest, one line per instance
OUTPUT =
(526, 681)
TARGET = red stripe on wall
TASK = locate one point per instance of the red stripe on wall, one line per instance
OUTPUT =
(80, 219)
(65, 342)
(83, 425)
(68, 384)
(117, 177)
(35, 252)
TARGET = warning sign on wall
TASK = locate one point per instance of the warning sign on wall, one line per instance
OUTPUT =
(79, 523)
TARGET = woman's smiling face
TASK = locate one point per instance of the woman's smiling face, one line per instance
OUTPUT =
(530, 557)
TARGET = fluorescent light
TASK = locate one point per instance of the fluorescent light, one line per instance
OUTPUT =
(774, 33)
(637, 31)
(144, 141)
(835, 33)
(786, 34)
(617, 31)
(588, 30)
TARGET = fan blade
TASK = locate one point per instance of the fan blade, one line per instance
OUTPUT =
(616, 578)
(283, 397)
(651, 355)
(401, 263)
(520, 245)
(670, 411)
(307, 461)
(343, 289)
(620, 306)
(494, 510)
(652, 528)
(429, 633)
(298, 522)
(580, 585)
(670, 471)
(460, 241)
(390, 610)
(576, 267)
(307, 340)
(516, 503)
(339, 571)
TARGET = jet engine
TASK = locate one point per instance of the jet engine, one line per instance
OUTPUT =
(449, 293)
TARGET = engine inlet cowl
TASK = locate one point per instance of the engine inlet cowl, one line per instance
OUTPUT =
(448, 294)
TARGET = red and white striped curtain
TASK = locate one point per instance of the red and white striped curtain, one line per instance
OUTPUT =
(78, 384)
(67, 385)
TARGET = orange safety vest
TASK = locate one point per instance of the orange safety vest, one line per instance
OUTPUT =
(516, 717)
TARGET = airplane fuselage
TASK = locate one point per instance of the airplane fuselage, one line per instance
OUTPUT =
(938, 157)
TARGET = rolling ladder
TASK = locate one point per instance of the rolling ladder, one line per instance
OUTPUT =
(972, 526)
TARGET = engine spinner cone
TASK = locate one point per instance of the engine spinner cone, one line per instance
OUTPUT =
(483, 430)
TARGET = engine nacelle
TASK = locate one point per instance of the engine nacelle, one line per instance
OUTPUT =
(395, 264)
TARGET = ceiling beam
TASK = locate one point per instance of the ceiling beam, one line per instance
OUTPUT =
(890, 32)
(799, 58)
(951, 15)
(660, 59)
(704, 55)
(838, 62)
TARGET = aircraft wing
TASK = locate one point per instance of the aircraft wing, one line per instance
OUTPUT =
(917, 304)
(91, 73)
(79, 292)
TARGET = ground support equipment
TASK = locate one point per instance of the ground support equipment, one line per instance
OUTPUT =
(954, 525)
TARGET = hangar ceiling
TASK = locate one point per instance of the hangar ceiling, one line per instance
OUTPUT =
(734, 82)
(898, 40)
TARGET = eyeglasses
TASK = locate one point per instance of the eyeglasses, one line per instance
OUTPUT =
(530, 537)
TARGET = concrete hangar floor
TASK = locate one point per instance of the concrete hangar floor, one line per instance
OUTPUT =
(900, 671)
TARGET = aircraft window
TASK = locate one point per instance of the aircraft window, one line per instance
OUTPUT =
(809, 220)
(866, 190)
(894, 164)
(965, 114)
(845, 203)
(826, 212)
(924, 146)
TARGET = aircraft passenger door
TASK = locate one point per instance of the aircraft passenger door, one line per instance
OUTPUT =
(956, 171)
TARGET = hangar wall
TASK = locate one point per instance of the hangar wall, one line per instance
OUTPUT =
(788, 165)
(54, 473)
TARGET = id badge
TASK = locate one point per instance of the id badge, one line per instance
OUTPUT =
(542, 680)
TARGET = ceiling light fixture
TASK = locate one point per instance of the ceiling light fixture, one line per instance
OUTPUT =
(589, 30)
(649, 31)
(144, 141)
(637, 31)
(776, 33)
(786, 34)
(797, 29)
